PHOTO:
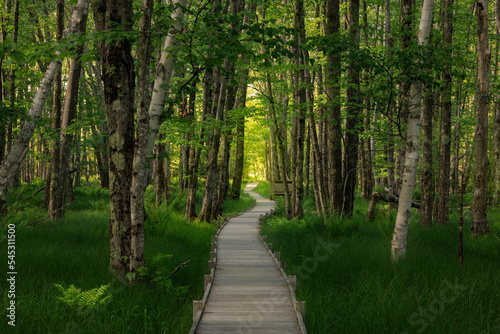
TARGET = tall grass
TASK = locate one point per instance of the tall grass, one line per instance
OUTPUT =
(350, 284)
(75, 251)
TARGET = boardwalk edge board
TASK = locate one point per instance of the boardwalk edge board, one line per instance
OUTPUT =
(199, 305)
(291, 280)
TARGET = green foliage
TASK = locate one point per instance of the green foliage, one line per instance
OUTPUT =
(84, 300)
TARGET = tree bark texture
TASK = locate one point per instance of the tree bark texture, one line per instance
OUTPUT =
(119, 91)
(480, 224)
(52, 183)
(496, 127)
(240, 135)
(65, 181)
(427, 187)
(332, 85)
(445, 139)
(351, 139)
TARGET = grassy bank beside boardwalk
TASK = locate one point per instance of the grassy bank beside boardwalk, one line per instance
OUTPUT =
(350, 284)
(63, 284)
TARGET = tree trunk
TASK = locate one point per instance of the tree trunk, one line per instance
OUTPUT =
(400, 236)
(445, 141)
(52, 187)
(67, 118)
(240, 134)
(282, 148)
(391, 179)
(195, 153)
(353, 114)
(496, 126)
(159, 174)
(332, 84)
(301, 119)
(407, 18)
(480, 224)
(119, 92)
(365, 148)
(207, 206)
(427, 188)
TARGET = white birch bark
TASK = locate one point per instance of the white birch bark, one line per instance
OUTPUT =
(146, 138)
(400, 235)
(164, 71)
(20, 146)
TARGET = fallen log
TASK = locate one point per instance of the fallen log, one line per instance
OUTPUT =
(386, 198)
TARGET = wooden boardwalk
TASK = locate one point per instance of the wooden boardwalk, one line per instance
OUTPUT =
(249, 293)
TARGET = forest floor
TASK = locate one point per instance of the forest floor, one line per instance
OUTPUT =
(350, 284)
(343, 266)
(63, 283)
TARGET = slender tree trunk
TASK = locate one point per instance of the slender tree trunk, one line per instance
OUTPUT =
(320, 185)
(497, 119)
(282, 148)
(353, 114)
(195, 153)
(479, 220)
(240, 135)
(52, 187)
(427, 188)
(400, 236)
(445, 141)
(407, 19)
(12, 92)
(68, 116)
(365, 149)
(391, 179)
(159, 174)
(332, 84)
(301, 119)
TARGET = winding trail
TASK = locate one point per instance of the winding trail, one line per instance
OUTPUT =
(249, 293)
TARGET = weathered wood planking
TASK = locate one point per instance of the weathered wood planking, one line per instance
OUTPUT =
(249, 293)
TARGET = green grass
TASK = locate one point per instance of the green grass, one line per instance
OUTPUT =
(350, 284)
(75, 251)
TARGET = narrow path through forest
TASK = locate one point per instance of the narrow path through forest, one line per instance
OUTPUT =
(249, 294)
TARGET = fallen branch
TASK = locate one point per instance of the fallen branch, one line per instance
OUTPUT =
(394, 199)
(370, 215)
(178, 268)
(27, 198)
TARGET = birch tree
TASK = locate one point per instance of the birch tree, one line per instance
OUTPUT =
(400, 235)
(147, 132)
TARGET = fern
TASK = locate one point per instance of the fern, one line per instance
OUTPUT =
(84, 300)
